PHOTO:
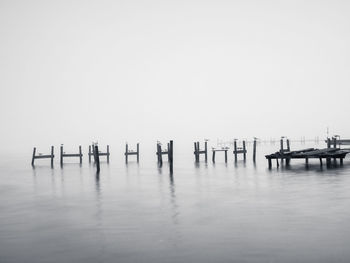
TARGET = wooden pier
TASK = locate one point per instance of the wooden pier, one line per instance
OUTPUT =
(197, 152)
(169, 152)
(131, 152)
(64, 155)
(222, 149)
(328, 153)
(239, 150)
(92, 152)
(42, 156)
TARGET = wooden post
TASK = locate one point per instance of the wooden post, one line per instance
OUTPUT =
(254, 150)
(225, 156)
(334, 142)
(195, 152)
(126, 153)
(138, 152)
(89, 153)
(97, 158)
(33, 157)
(288, 145)
(277, 162)
(328, 160)
(80, 154)
(160, 154)
(235, 149)
(307, 161)
(270, 163)
(321, 161)
(171, 151)
(107, 153)
(198, 150)
(213, 156)
(52, 155)
(206, 150)
(244, 150)
(61, 155)
(281, 142)
(341, 161)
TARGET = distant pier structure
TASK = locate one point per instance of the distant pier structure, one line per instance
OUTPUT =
(329, 153)
(197, 151)
(43, 156)
(168, 152)
(222, 149)
(65, 155)
(239, 150)
(92, 152)
(132, 152)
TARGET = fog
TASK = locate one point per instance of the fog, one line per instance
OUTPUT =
(76, 71)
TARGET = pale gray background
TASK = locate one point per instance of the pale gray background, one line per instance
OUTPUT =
(73, 71)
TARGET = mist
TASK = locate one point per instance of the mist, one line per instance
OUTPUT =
(115, 71)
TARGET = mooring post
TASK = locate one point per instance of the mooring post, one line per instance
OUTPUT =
(97, 158)
(171, 150)
(235, 149)
(244, 150)
(108, 153)
(80, 154)
(198, 152)
(33, 157)
(138, 152)
(226, 156)
(288, 145)
(206, 150)
(52, 155)
(213, 156)
(195, 152)
(254, 150)
(61, 155)
(160, 154)
(89, 153)
(281, 142)
(126, 153)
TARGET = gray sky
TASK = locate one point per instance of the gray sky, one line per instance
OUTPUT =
(73, 71)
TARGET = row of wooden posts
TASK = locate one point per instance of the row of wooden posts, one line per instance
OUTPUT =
(95, 153)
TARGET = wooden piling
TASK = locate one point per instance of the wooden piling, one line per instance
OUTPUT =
(254, 150)
(81, 155)
(213, 157)
(89, 153)
(126, 153)
(33, 158)
(97, 158)
(196, 155)
(235, 149)
(244, 150)
(225, 156)
(270, 163)
(61, 154)
(206, 151)
(52, 155)
(138, 152)
(288, 145)
(108, 153)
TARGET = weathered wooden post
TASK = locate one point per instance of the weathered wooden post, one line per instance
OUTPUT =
(206, 150)
(213, 156)
(171, 151)
(33, 158)
(226, 156)
(138, 152)
(196, 155)
(97, 158)
(281, 142)
(108, 153)
(288, 145)
(235, 149)
(61, 155)
(159, 153)
(244, 150)
(270, 163)
(81, 155)
(90, 153)
(126, 153)
(52, 155)
(254, 150)
(328, 160)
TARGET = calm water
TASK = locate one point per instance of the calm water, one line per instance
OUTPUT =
(205, 213)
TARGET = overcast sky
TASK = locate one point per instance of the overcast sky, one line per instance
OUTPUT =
(75, 71)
